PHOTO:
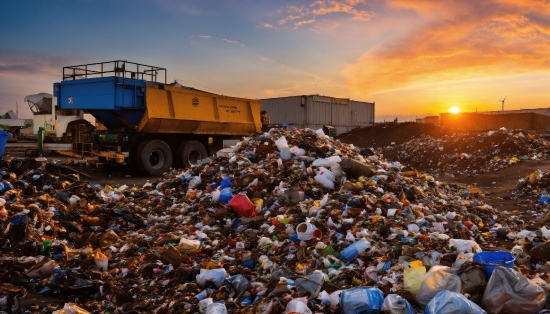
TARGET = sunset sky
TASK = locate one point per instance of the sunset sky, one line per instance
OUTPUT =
(412, 58)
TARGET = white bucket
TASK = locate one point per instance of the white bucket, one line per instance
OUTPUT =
(102, 263)
(216, 196)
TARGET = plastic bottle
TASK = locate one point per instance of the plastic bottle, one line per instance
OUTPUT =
(356, 248)
(305, 231)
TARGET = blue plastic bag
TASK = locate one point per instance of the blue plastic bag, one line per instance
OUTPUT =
(449, 302)
(4, 187)
(361, 300)
(226, 195)
(226, 183)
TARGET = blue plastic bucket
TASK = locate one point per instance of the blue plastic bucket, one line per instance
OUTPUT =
(3, 140)
(490, 260)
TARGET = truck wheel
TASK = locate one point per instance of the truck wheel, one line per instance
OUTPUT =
(154, 157)
(190, 152)
(137, 157)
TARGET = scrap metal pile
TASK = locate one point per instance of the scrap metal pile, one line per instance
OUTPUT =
(468, 154)
(292, 221)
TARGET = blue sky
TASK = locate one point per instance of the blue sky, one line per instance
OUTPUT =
(410, 57)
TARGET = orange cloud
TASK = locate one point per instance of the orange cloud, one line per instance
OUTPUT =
(353, 8)
(458, 40)
(297, 24)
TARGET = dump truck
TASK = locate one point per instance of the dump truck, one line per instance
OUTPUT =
(145, 121)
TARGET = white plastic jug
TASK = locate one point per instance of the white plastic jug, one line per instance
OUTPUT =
(285, 153)
(281, 143)
(305, 231)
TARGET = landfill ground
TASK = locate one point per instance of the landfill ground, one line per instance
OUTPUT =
(504, 190)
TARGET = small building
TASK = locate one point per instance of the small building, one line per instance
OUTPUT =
(315, 112)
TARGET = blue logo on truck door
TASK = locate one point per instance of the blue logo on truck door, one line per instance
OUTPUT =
(70, 100)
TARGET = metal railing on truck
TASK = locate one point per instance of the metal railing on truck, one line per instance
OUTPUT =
(119, 68)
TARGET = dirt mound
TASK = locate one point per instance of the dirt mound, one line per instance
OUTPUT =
(445, 152)
(384, 134)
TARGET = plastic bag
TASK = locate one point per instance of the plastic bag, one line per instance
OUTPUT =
(239, 283)
(449, 302)
(226, 183)
(216, 276)
(325, 177)
(413, 278)
(439, 278)
(311, 283)
(242, 205)
(326, 162)
(465, 246)
(472, 278)
(72, 308)
(355, 169)
(225, 195)
(361, 299)
(508, 291)
(216, 308)
(189, 246)
(195, 182)
(395, 304)
(298, 305)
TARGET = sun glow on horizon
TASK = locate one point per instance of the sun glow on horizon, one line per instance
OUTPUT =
(454, 110)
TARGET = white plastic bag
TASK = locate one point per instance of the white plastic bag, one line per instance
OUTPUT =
(216, 308)
(439, 278)
(298, 305)
(325, 177)
(195, 182)
(216, 276)
(465, 246)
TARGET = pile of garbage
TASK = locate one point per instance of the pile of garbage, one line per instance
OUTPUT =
(469, 154)
(290, 221)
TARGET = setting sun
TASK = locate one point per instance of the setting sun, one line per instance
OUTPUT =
(454, 110)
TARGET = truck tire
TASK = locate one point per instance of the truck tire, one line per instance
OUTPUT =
(190, 152)
(154, 157)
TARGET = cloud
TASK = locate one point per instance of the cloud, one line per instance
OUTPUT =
(231, 41)
(298, 24)
(306, 14)
(220, 39)
(457, 40)
(267, 25)
(31, 63)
